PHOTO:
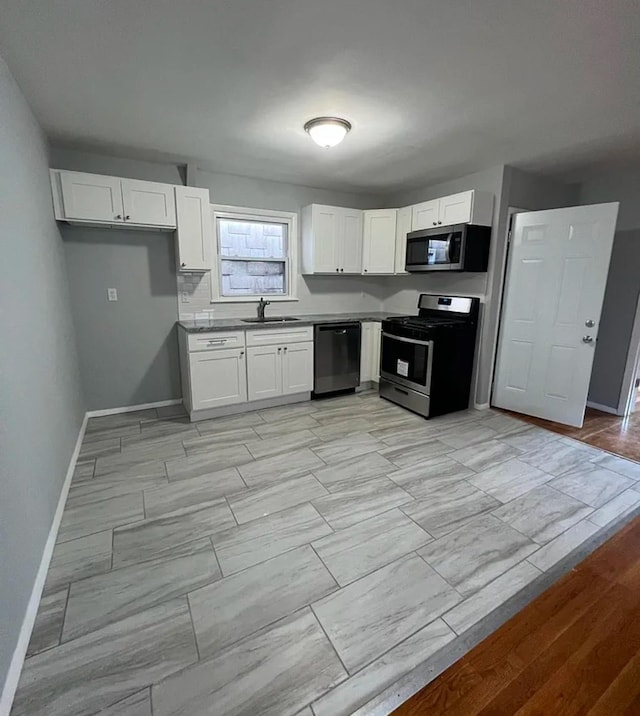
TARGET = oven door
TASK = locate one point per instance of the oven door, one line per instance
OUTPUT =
(429, 251)
(407, 362)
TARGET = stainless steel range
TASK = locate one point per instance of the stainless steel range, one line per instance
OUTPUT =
(427, 360)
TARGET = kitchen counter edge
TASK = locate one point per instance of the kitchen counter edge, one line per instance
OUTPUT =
(237, 324)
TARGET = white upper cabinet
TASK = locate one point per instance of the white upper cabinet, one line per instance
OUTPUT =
(96, 199)
(403, 227)
(350, 240)
(331, 240)
(379, 241)
(194, 232)
(148, 203)
(467, 207)
(425, 215)
(91, 197)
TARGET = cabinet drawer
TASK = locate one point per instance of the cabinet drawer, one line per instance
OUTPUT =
(272, 336)
(215, 340)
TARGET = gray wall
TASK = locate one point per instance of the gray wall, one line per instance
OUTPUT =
(41, 406)
(403, 291)
(128, 350)
(623, 283)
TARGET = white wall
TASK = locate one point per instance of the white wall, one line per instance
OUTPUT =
(41, 405)
(316, 294)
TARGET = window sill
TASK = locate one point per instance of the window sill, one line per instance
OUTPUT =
(254, 299)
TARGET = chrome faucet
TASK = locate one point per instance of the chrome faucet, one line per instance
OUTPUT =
(262, 304)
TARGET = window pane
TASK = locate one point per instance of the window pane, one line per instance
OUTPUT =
(253, 278)
(252, 239)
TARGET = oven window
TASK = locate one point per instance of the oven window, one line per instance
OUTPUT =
(405, 360)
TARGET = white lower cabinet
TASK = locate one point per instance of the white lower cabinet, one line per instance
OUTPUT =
(297, 368)
(283, 369)
(264, 372)
(218, 378)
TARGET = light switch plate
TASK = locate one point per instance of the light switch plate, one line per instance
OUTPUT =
(112, 294)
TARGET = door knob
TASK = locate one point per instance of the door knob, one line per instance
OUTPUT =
(589, 323)
(587, 339)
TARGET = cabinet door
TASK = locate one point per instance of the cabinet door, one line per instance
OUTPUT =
(148, 203)
(297, 368)
(193, 228)
(366, 360)
(218, 378)
(91, 197)
(376, 342)
(424, 215)
(456, 208)
(379, 241)
(324, 221)
(264, 372)
(403, 227)
(350, 241)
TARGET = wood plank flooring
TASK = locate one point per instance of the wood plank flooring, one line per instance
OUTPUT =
(602, 430)
(574, 650)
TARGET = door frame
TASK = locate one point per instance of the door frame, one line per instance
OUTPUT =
(627, 390)
(511, 212)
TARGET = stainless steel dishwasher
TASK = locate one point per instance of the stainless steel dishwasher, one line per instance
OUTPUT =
(336, 357)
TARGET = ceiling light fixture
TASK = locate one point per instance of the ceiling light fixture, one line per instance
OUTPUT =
(327, 131)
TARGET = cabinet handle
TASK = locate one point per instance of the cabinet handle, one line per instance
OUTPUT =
(435, 223)
(127, 217)
(118, 216)
(341, 270)
(366, 270)
(217, 341)
(183, 264)
(285, 349)
(337, 269)
(241, 354)
(279, 349)
(439, 222)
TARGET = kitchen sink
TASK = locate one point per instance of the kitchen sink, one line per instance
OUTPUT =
(270, 319)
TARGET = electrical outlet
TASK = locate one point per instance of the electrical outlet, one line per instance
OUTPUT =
(112, 294)
(185, 297)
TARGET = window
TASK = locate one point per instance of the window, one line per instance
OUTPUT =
(255, 251)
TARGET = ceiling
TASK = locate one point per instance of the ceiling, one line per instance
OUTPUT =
(434, 89)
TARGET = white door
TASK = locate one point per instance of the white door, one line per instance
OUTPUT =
(194, 229)
(403, 227)
(425, 215)
(91, 197)
(554, 289)
(455, 209)
(264, 372)
(350, 241)
(379, 241)
(148, 203)
(324, 220)
(297, 368)
(218, 378)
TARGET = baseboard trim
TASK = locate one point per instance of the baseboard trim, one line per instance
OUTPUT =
(19, 653)
(132, 408)
(602, 408)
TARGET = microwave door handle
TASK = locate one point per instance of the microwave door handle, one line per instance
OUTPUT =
(449, 247)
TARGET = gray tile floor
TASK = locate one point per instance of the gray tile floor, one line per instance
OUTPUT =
(300, 559)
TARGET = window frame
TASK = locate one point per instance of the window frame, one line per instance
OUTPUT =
(239, 213)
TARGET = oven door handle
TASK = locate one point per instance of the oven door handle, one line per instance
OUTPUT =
(407, 340)
(449, 245)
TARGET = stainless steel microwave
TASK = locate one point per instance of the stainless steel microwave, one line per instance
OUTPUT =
(460, 247)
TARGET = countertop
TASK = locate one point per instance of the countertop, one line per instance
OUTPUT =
(237, 324)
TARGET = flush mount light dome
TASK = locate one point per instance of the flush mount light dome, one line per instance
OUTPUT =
(327, 131)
